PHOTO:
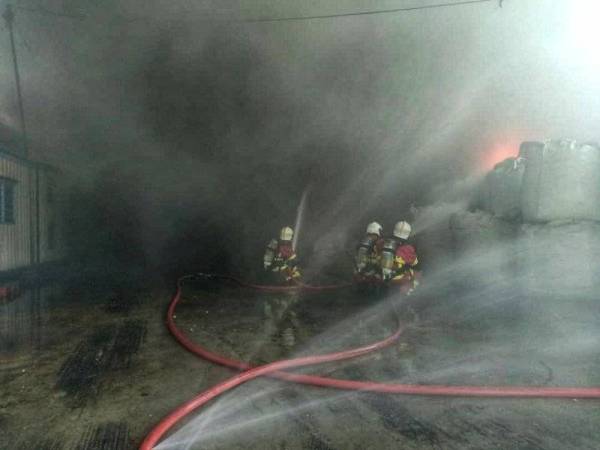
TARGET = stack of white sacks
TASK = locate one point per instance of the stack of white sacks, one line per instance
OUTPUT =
(560, 207)
(536, 220)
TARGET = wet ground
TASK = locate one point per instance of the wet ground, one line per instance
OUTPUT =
(93, 367)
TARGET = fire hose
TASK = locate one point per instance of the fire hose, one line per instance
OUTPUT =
(297, 286)
(275, 369)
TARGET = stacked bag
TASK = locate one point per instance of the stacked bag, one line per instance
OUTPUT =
(553, 181)
(561, 182)
(552, 193)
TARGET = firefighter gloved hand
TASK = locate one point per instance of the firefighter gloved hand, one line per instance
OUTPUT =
(386, 274)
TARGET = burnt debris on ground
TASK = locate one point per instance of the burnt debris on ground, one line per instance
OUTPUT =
(107, 436)
(108, 348)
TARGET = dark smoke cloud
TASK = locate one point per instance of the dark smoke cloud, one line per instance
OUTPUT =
(193, 141)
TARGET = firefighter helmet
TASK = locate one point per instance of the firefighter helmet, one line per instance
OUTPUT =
(402, 230)
(374, 228)
(286, 234)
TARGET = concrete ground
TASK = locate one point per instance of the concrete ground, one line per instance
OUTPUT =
(93, 367)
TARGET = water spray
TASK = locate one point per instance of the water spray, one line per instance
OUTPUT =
(300, 216)
(276, 370)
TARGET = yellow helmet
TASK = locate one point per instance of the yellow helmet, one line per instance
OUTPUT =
(286, 234)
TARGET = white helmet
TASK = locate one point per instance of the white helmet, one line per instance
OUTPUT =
(374, 228)
(286, 234)
(402, 230)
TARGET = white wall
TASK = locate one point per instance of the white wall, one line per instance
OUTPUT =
(16, 238)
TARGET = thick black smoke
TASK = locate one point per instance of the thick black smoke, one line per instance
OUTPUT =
(189, 142)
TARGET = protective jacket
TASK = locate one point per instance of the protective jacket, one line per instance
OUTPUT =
(401, 269)
(367, 260)
(280, 258)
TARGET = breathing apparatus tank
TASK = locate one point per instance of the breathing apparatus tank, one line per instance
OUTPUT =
(388, 255)
(364, 251)
(270, 253)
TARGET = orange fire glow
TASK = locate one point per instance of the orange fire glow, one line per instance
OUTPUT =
(498, 153)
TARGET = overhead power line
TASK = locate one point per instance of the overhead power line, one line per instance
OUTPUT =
(82, 16)
(370, 13)
(48, 12)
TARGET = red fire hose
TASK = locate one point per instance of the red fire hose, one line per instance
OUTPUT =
(297, 286)
(275, 370)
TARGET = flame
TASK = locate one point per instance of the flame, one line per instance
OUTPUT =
(498, 153)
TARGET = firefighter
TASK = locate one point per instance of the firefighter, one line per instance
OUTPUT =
(281, 265)
(368, 254)
(280, 259)
(399, 260)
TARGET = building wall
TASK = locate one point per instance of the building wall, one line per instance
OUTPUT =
(36, 236)
(15, 245)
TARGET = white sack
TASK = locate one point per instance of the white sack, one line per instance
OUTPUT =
(561, 182)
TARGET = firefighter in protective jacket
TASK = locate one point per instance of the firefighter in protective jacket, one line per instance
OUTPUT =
(280, 258)
(368, 255)
(399, 259)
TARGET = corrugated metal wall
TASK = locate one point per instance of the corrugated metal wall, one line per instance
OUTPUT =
(21, 240)
(15, 245)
